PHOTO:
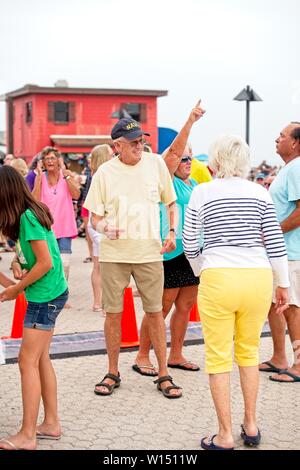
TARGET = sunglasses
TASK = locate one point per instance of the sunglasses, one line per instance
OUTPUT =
(186, 159)
(49, 159)
(134, 143)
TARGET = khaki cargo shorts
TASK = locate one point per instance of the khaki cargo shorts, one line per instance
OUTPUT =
(149, 279)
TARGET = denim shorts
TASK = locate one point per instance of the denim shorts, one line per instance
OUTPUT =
(42, 316)
(64, 244)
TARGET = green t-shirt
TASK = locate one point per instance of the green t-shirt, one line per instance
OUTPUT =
(53, 283)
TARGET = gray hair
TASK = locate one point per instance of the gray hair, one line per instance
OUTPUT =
(229, 156)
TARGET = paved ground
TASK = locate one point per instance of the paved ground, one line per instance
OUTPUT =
(137, 416)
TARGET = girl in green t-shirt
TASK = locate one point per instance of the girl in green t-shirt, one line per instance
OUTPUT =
(38, 268)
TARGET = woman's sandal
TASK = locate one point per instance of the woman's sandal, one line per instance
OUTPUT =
(166, 391)
(110, 388)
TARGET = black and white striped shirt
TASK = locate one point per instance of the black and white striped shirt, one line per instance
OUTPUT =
(237, 222)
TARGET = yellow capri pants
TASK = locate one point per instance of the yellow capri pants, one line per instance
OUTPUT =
(233, 304)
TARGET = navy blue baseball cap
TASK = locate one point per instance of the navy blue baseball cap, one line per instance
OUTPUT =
(128, 128)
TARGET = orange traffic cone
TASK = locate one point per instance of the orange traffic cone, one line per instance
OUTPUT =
(19, 314)
(194, 314)
(129, 336)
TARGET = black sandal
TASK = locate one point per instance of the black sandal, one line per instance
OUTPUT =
(110, 388)
(166, 391)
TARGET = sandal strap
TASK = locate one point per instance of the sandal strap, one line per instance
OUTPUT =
(172, 387)
(104, 384)
(113, 377)
(164, 378)
(145, 367)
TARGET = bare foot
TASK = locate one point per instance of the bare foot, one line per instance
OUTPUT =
(210, 443)
(272, 365)
(182, 363)
(102, 390)
(145, 361)
(282, 377)
(174, 391)
(48, 430)
(101, 310)
(18, 442)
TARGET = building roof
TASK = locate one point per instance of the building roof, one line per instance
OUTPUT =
(35, 89)
(80, 140)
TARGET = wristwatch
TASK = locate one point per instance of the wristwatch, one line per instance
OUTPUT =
(172, 230)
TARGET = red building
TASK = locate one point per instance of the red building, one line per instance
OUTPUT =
(73, 119)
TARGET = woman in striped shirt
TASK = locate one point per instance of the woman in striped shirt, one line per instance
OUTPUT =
(243, 242)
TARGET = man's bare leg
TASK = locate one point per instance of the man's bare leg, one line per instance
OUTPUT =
(292, 315)
(142, 357)
(112, 331)
(157, 333)
(278, 326)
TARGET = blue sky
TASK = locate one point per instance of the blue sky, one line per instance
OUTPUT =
(193, 48)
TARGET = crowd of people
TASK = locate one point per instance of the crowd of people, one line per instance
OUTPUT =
(185, 236)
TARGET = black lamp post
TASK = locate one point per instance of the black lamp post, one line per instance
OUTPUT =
(247, 94)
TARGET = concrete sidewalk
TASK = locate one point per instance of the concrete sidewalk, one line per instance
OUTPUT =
(137, 416)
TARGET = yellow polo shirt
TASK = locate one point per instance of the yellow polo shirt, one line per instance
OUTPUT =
(128, 196)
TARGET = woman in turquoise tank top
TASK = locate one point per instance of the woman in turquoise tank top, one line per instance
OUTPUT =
(180, 285)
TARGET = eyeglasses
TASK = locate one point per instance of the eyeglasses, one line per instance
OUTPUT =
(49, 159)
(186, 159)
(134, 143)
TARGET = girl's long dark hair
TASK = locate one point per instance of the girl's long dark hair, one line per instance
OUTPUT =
(15, 198)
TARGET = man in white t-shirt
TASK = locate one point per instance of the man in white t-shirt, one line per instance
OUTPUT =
(285, 192)
(124, 199)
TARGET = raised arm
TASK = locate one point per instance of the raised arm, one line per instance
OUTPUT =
(73, 186)
(36, 192)
(176, 149)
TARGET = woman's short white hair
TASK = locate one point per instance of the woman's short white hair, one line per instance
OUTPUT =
(229, 156)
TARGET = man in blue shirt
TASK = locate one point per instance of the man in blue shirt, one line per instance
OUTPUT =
(285, 192)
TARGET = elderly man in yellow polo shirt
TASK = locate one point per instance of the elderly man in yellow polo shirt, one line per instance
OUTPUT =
(124, 201)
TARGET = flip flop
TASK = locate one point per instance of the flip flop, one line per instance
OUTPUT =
(182, 366)
(210, 444)
(139, 368)
(42, 435)
(250, 441)
(11, 444)
(271, 367)
(295, 378)
(99, 309)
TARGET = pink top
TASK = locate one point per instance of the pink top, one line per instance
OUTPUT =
(59, 201)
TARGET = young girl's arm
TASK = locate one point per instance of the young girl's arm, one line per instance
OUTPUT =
(5, 281)
(42, 266)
